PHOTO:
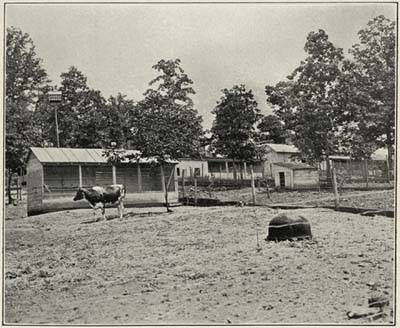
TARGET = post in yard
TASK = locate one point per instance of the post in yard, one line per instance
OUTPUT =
(335, 188)
(366, 172)
(195, 191)
(253, 188)
(55, 98)
(388, 169)
(183, 184)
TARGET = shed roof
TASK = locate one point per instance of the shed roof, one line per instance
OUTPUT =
(296, 166)
(283, 148)
(78, 155)
(339, 157)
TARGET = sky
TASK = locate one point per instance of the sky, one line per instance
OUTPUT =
(219, 45)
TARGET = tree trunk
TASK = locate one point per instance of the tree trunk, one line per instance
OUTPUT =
(335, 190)
(10, 200)
(328, 169)
(241, 172)
(253, 188)
(390, 157)
(234, 170)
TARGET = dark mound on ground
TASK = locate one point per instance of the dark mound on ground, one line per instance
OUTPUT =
(289, 227)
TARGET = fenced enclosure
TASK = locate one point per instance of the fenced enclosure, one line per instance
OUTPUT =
(347, 179)
(359, 174)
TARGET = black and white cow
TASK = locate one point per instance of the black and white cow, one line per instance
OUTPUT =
(98, 197)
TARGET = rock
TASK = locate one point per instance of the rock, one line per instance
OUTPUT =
(27, 270)
(267, 307)
(44, 274)
(11, 275)
(361, 311)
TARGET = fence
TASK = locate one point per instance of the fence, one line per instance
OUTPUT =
(351, 173)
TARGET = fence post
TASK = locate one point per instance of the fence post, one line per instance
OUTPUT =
(183, 184)
(195, 191)
(253, 189)
(388, 169)
(335, 188)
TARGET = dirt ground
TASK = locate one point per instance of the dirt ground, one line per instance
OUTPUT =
(195, 265)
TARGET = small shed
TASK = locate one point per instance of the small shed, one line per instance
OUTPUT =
(278, 153)
(54, 175)
(295, 176)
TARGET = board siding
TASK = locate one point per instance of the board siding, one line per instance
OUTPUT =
(34, 186)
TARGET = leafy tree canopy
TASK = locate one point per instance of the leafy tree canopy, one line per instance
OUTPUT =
(306, 102)
(366, 91)
(79, 113)
(272, 129)
(233, 130)
(25, 77)
(165, 124)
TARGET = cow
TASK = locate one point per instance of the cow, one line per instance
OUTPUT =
(98, 197)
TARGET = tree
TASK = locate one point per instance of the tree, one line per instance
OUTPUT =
(233, 130)
(79, 114)
(306, 103)
(114, 124)
(272, 129)
(25, 78)
(368, 89)
(165, 126)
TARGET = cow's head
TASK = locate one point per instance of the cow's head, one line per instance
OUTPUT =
(79, 194)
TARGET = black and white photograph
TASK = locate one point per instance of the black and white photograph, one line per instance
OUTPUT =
(199, 163)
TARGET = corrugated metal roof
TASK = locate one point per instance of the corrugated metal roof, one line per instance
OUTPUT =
(283, 148)
(296, 166)
(68, 155)
(78, 155)
(339, 157)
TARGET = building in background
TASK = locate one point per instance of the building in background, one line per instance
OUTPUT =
(55, 174)
(295, 176)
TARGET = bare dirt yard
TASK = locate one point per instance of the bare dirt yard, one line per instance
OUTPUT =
(195, 265)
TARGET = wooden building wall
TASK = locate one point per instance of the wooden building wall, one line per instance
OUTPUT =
(34, 185)
(303, 179)
(288, 176)
(296, 179)
(143, 184)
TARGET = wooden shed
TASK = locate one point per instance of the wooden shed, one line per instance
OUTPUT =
(295, 176)
(54, 175)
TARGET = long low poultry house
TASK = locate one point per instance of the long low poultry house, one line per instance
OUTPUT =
(55, 174)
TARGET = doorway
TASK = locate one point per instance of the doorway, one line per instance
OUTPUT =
(282, 179)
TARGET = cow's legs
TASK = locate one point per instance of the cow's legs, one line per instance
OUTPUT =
(100, 206)
(121, 206)
(121, 209)
(103, 212)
